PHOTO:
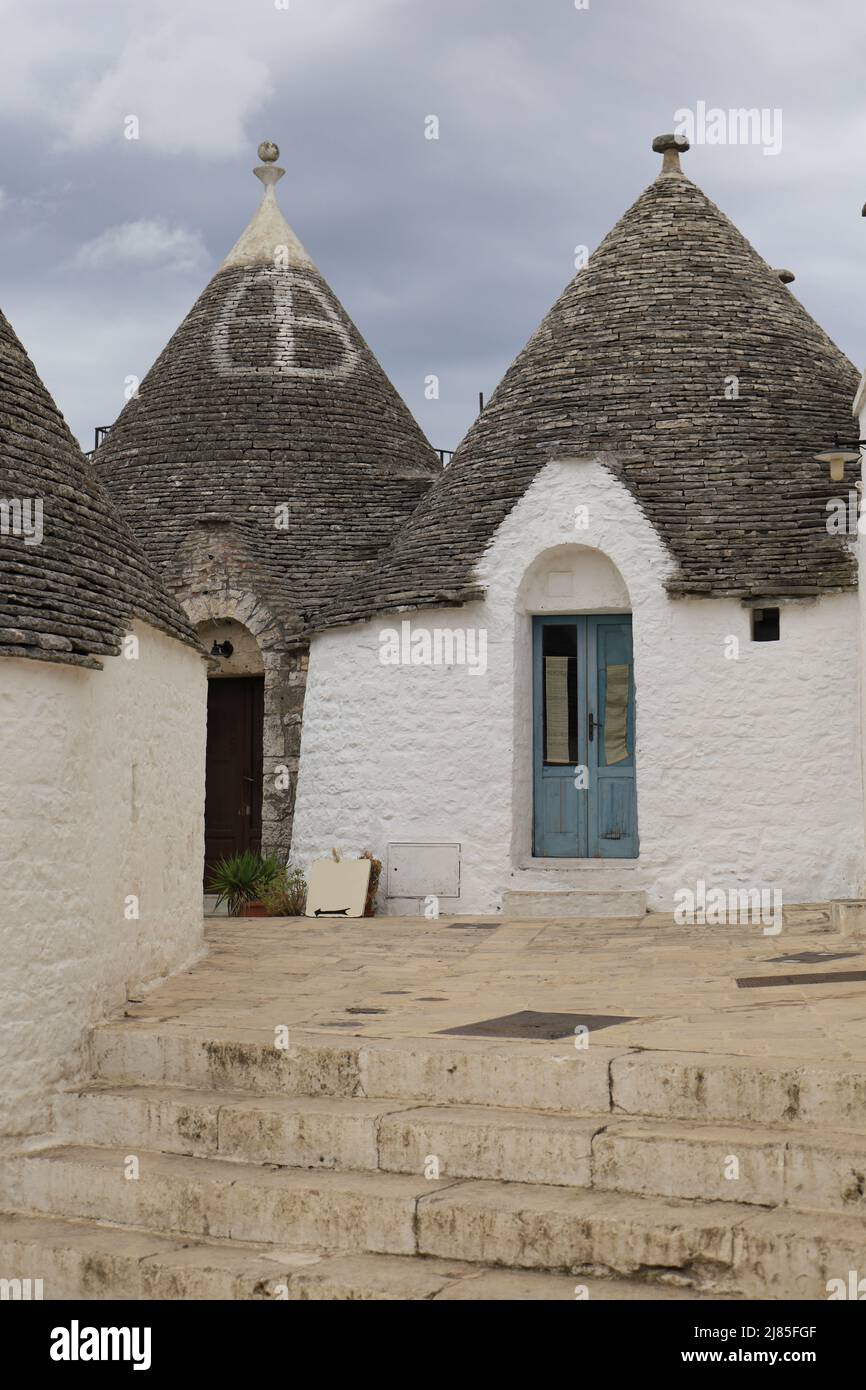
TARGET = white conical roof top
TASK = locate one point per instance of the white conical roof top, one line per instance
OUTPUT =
(268, 239)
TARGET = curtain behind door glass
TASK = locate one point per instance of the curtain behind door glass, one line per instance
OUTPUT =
(616, 714)
(559, 650)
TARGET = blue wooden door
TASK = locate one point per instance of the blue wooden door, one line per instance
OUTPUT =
(584, 733)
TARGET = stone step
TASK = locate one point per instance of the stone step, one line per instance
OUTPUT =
(87, 1261)
(751, 1164)
(713, 1247)
(435, 1070)
(582, 904)
(752, 1090)
(552, 1076)
(332, 1134)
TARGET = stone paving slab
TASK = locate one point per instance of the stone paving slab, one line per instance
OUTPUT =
(678, 983)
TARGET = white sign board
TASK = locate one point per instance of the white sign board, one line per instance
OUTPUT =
(338, 889)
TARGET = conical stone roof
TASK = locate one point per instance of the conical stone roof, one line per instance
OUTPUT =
(268, 413)
(71, 574)
(631, 365)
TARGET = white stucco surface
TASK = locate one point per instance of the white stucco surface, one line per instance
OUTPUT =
(859, 544)
(101, 800)
(748, 767)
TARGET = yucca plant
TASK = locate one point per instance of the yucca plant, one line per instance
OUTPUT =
(240, 879)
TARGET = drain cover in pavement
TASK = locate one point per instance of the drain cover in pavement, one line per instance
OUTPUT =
(472, 926)
(814, 957)
(366, 1011)
(528, 1024)
(828, 977)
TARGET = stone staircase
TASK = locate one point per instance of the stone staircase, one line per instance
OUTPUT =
(199, 1167)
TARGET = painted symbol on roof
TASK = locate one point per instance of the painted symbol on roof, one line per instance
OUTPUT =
(308, 337)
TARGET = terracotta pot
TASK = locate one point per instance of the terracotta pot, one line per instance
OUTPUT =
(254, 909)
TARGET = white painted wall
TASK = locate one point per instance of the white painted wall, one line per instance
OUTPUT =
(101, 797)
(859, 412)
(748, 770)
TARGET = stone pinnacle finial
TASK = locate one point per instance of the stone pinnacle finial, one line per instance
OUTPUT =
(268, 171)
(671, 146)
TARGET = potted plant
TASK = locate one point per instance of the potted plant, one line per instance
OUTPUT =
(239, 880)
(286, 894)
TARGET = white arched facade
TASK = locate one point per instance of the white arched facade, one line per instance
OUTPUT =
(747, 754)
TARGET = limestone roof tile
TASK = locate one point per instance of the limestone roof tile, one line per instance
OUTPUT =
(268, 408)
(69, 594)
(635, 365)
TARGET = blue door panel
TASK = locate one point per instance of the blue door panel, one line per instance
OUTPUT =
(584, 718)
(559, 811)
(613, 815)
(616, 822)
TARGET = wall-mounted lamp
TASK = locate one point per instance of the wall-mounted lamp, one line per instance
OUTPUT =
(839, 455)
(221, 649)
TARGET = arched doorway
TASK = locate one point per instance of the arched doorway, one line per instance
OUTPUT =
(581, 771)
(235, 718)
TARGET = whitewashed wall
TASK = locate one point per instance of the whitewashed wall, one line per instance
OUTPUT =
(748, 770)
(101, 798)
(859, 411)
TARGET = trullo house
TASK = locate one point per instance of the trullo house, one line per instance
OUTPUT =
(265, 461)
(610, 653)
(102, 713)
(614, 652)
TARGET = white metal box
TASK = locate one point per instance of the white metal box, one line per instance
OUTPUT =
(424, 870)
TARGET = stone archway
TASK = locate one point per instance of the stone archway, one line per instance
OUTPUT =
(577, 800)
(224, 615)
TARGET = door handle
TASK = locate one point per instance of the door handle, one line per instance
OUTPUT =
(590, 724)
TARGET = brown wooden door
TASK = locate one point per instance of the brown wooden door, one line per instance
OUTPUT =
(233, 793)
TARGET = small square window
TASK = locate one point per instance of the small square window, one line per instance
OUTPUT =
(765, 624)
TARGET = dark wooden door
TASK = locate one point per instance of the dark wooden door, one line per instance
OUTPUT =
(233, 792)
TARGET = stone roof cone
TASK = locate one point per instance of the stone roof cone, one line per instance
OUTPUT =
(266, 398)
(679, 357)
(72, 576)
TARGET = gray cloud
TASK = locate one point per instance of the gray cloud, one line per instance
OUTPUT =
(446, 253)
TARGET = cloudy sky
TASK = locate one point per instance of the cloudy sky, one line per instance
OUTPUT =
(445, 252)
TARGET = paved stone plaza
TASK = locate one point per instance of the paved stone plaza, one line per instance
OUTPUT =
(679, 983)
(291, 1119)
